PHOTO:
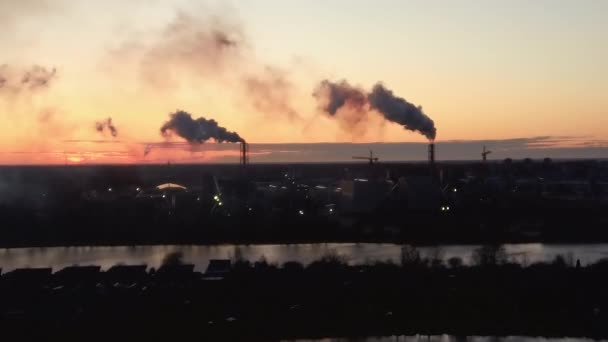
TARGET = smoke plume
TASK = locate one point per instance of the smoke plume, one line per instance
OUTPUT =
(208, 51)
(15, 81)
(398, 110)
(334, 96)
(270, 92)
(106, 125)
(197, 130)
(37, 77)
(340, 97)
(189, 46)
(13, 13)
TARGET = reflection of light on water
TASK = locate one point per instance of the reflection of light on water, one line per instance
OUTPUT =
(447, 338)
(528, 248)
(353, 253)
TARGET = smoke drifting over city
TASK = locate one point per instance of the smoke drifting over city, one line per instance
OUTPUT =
(106, 126)
(16, 80)
(337, 97)
(194, 48)
(188, 46)
(270, 92)
(197, 130)
(340, 95)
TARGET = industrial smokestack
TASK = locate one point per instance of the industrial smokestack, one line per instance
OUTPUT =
(432, 154)
(244, 157)
(432, 159)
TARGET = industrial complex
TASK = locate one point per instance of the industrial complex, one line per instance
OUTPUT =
(516, 199)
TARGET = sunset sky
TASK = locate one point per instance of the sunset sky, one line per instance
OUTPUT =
(484, 71)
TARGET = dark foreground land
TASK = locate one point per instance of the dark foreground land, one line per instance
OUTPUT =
(261, 302)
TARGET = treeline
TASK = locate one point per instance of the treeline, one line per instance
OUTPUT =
(258, 301)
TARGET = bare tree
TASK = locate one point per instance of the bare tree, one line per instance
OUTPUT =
(490, 255)
(410, 255)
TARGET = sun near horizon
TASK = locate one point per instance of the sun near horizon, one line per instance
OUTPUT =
(495, 70)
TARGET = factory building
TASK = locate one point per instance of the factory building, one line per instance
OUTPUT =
(421, 192)
(362, 195)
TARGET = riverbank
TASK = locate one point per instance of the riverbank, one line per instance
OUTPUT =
(352, 253)
(260, 301)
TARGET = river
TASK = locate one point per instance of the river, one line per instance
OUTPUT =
(353, 253)
(449, 338)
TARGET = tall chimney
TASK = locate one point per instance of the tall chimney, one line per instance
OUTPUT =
(432, 159)
(244, 157)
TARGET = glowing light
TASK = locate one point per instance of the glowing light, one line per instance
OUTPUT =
(109, 189)
(301, 212)
(75, 159)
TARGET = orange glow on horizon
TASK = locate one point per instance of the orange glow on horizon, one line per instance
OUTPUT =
(478, 76)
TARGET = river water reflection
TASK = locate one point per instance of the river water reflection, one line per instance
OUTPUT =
(449, 338)
(353, 253)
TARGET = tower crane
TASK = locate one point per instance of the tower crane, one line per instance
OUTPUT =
(484, 154)
(371, 158)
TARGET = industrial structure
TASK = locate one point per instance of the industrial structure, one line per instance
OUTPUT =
(371, 158)
(484, 154)
(244, 155)
(432, 154)
(432, 159)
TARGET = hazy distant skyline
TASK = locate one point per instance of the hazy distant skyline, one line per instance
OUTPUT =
(104, 152)
(491, 70)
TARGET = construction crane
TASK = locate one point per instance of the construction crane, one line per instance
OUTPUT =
(484, 154)
(371, 158)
